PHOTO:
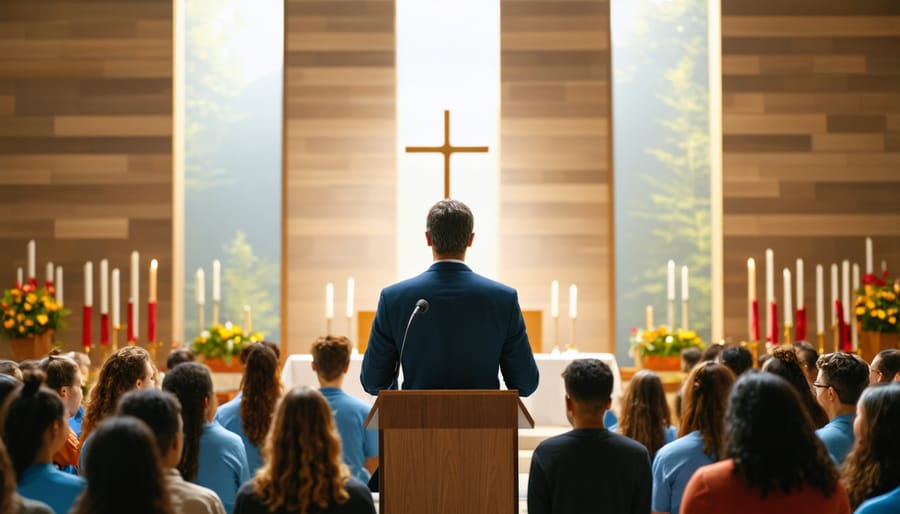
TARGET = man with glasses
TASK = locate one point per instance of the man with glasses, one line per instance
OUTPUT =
(885, 367)
(839, 383)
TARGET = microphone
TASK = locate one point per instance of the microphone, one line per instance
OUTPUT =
(421, 308)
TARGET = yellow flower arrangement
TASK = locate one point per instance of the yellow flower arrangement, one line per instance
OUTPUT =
(223, 341)
(877, 306)
(28, 311)
(662, 343)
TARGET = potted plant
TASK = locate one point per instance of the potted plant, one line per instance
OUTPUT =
(218, 346)
(30, 317)
(660, 350)
(878, 312)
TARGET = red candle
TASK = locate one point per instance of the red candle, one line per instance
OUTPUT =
(151, 321)
(104, 329)
(86, 329)
(801, 324)
(132, 337)
(773, 336)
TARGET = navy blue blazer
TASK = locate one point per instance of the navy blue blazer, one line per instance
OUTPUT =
(473, 327)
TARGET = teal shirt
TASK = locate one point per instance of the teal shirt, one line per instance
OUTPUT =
(838, 437)
(222, 463)
(229, 416)
(357, 442)
(45, 483)
(888, 503)
(673, 467)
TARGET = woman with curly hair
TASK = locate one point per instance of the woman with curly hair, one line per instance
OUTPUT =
(127, 369)
(212, 457)
(135, 484)
(786, 364)
(773, 460)
(872, 470)
(302, 471)
(34, 429)
(701, 438)
(64, 376)
(249, 414)
(645, 413)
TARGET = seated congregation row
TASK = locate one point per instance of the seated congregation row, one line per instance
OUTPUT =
(172, 451)
(806, 434)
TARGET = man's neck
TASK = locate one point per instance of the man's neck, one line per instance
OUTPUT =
(588, 421)
(843, 409)
(449, 257)
(336, 383)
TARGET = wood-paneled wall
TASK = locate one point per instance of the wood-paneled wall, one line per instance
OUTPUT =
(556, 162)
(811, 139)
(340, 160)
(85, 142)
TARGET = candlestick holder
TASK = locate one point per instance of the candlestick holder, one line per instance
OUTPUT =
(115, 337)
(571, 346)
(684, 314)
(215, 318)
(349, 326)
(327, 326)
(753, 347)
(671, 315)
(836, 332)
(201, 315)
(152, 348)
(556, 334)
(787, 334)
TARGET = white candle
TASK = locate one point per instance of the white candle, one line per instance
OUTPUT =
(104, 286)
(217, 281)
(351, 293)
(648, 312)
(200, 286)
(845, 289)
(88, 284)
(554, 299)
(788, 311)
(883, 266)
(820, 299)
(854, 334)
(751, 280)
(154, 270)
(573, 301)
(58, 284)
(770, 276)
(670, 281)
(135, 289)
(248, 320)
(19, 277)
(834, 293)
(50, 272)
(31, 259)
(115, 298)
(869, 262)
(329, 301)
(800, 302)
(684, 282)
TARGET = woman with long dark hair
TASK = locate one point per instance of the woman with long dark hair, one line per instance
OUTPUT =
(249, 414)
(872, 469)
(212, 457)
(645, 413)
(64, 376)
(116, 483)
(127, 369)
(786, 364)
(701, 437)
(302, 471)
(34, 429)
(773, 460)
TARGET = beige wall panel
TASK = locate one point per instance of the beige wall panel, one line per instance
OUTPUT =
(91, 228)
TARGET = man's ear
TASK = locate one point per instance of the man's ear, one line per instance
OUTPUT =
(347, 367)
(471, 238)
(313, 366)
(428, 238)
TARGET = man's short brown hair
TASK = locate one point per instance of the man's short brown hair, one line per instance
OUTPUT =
(331, 355)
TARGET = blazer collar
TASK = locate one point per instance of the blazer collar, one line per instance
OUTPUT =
(449, 266)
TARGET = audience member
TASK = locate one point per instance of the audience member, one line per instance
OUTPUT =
(872, 470)
(117, 485)
(885, 366)
(701, 437)
(737, 358)
(807, 356)
(774, 462)
(689, 358)
(213, 457)
(249, 414)
(64, 376)
(712, 352)
(8, 384)
(10, 501)
(841, 379)
(784, 363)
(84, 364)
(331, 360)
(127, 369)
(29, 365)
(178, 356)
(161, 412)
(10, 368)
(589, 469)
(34, 429)
(302, 469)
(645, 413)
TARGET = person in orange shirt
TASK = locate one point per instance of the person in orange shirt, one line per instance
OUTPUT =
(64, 376)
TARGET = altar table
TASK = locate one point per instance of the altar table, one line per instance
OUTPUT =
(546, 405)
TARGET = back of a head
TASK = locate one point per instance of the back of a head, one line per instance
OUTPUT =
(712, 352)
(191, 383)
(60, 371)
(785, 364)
(771, 437)
(10, 368)
(115, 484)
(31, 409)
(645, 411)
(589, 383)
(159, 410)
(261, 388)
(846, 373)
(888, 364)
(8, 384)
(450, 224)
(331, 355)
(706, 391)
(737, 358)
(245, 352)
(808, 356)
(873, 466)
(118, 375)
(179, 356)
(689, 358)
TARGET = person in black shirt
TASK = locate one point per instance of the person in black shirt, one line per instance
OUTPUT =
(589, 469)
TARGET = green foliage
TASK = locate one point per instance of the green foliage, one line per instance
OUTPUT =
(249, 280)
(223, 342)
(28, 311)
(662, 343)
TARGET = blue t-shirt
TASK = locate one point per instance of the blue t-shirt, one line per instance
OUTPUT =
(45, 483)
(357, 443)
(222, 463)
(888, 503)
(673, 467)
(838, 437)
(76, 421)
(610, 419)
(229, 416)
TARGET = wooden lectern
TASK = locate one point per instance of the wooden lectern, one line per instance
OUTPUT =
(448, 452)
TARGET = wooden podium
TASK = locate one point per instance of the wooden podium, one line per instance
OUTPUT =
(448, 452)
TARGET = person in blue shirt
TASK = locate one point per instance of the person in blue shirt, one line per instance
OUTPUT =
(702, 434)
(872, 470)
(249, 414)
(213, 457)
(331, 360)
(645, 413)
(841, 380)
(34, 429)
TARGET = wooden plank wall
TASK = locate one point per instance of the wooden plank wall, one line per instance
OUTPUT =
(340, 161)
(85, 142)
(556, 155)
(811, 138)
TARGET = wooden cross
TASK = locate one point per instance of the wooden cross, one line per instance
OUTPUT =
(446, 149)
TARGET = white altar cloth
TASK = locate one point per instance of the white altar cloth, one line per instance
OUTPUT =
(546, 405)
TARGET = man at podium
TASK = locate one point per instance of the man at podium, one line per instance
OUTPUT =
(449, 327)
